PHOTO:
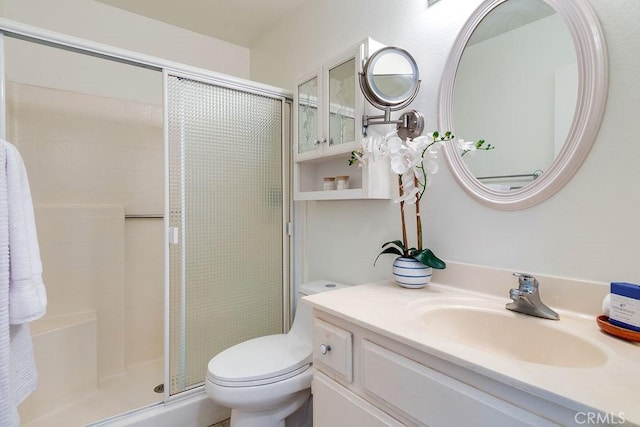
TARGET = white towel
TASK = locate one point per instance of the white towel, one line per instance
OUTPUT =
(18, 376)
(27, 295)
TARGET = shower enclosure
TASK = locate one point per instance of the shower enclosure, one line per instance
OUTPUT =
(161, 195)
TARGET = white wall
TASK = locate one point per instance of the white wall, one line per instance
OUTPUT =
(589, 230)
(105, 24)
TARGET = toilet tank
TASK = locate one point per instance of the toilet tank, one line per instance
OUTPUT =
(302, 321)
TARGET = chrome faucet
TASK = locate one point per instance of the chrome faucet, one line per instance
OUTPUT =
(526, 299)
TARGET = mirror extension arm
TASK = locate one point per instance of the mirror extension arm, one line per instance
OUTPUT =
(409, 125)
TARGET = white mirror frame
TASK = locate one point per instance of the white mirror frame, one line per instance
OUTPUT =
(593, 78)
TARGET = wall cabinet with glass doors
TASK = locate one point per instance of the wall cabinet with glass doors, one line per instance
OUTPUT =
(328, 127)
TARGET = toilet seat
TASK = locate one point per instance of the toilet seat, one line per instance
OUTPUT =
(259, 361)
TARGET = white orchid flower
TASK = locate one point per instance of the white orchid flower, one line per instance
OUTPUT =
(370, 149)
(363, 155)
(399, 163)
(431, 168)
(409, 190)
(391, 134)
(467, 147)
(419, 144)
(409, 198)
(395, 145)
(432, 152)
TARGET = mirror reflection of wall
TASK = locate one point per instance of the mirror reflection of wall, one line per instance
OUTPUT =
(393, 75)
(524, 57)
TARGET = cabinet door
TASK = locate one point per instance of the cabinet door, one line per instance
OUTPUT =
(433, 398)
(335, 406)
(309, 115)
(342, 95)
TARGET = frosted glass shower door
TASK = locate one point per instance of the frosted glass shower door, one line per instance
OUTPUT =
(226, 212)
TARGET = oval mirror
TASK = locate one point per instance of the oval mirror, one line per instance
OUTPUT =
(530, 77)
(390, 79)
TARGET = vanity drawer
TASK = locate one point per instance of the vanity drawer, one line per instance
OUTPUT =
(432, 398)
(332, 349)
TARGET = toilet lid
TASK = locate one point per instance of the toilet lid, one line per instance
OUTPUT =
(259, 359)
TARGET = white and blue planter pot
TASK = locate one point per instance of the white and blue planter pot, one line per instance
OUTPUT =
(411, 273)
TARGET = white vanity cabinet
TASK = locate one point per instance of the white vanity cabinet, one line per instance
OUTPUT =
(387, 383)
(329, 106)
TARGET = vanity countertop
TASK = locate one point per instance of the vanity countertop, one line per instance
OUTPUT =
(385, 308)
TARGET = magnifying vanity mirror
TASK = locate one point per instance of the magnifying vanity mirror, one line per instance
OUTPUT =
(530, 77)
(390, 81)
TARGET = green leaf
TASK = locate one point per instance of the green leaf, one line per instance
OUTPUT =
(429, 259)
(398, 243)
(355, 157)
(436, 134)
(391, 250)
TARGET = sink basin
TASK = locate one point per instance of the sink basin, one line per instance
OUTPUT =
(512, 335)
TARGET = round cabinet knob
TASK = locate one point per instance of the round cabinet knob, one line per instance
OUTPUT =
(324, 348)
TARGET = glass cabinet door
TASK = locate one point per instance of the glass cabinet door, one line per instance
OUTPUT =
(342, 103)
(308, 116)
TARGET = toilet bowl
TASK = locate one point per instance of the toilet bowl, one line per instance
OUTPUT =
(266, 379)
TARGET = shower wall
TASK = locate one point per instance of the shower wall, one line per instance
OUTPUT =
(92, 159)
(82, 248)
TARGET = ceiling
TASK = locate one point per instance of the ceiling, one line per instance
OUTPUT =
(240, 22)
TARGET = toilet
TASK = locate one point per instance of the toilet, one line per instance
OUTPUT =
(266, 379)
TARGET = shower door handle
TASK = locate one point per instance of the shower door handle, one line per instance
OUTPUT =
(174, 236)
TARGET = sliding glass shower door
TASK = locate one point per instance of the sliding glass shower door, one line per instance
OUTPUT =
(227, 258)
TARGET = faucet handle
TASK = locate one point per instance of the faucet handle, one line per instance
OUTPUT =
(526, 283)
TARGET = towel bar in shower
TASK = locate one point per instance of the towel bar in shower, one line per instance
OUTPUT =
(534, 175)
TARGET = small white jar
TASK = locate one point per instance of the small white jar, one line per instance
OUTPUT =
(329, 183)
(342, 182)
